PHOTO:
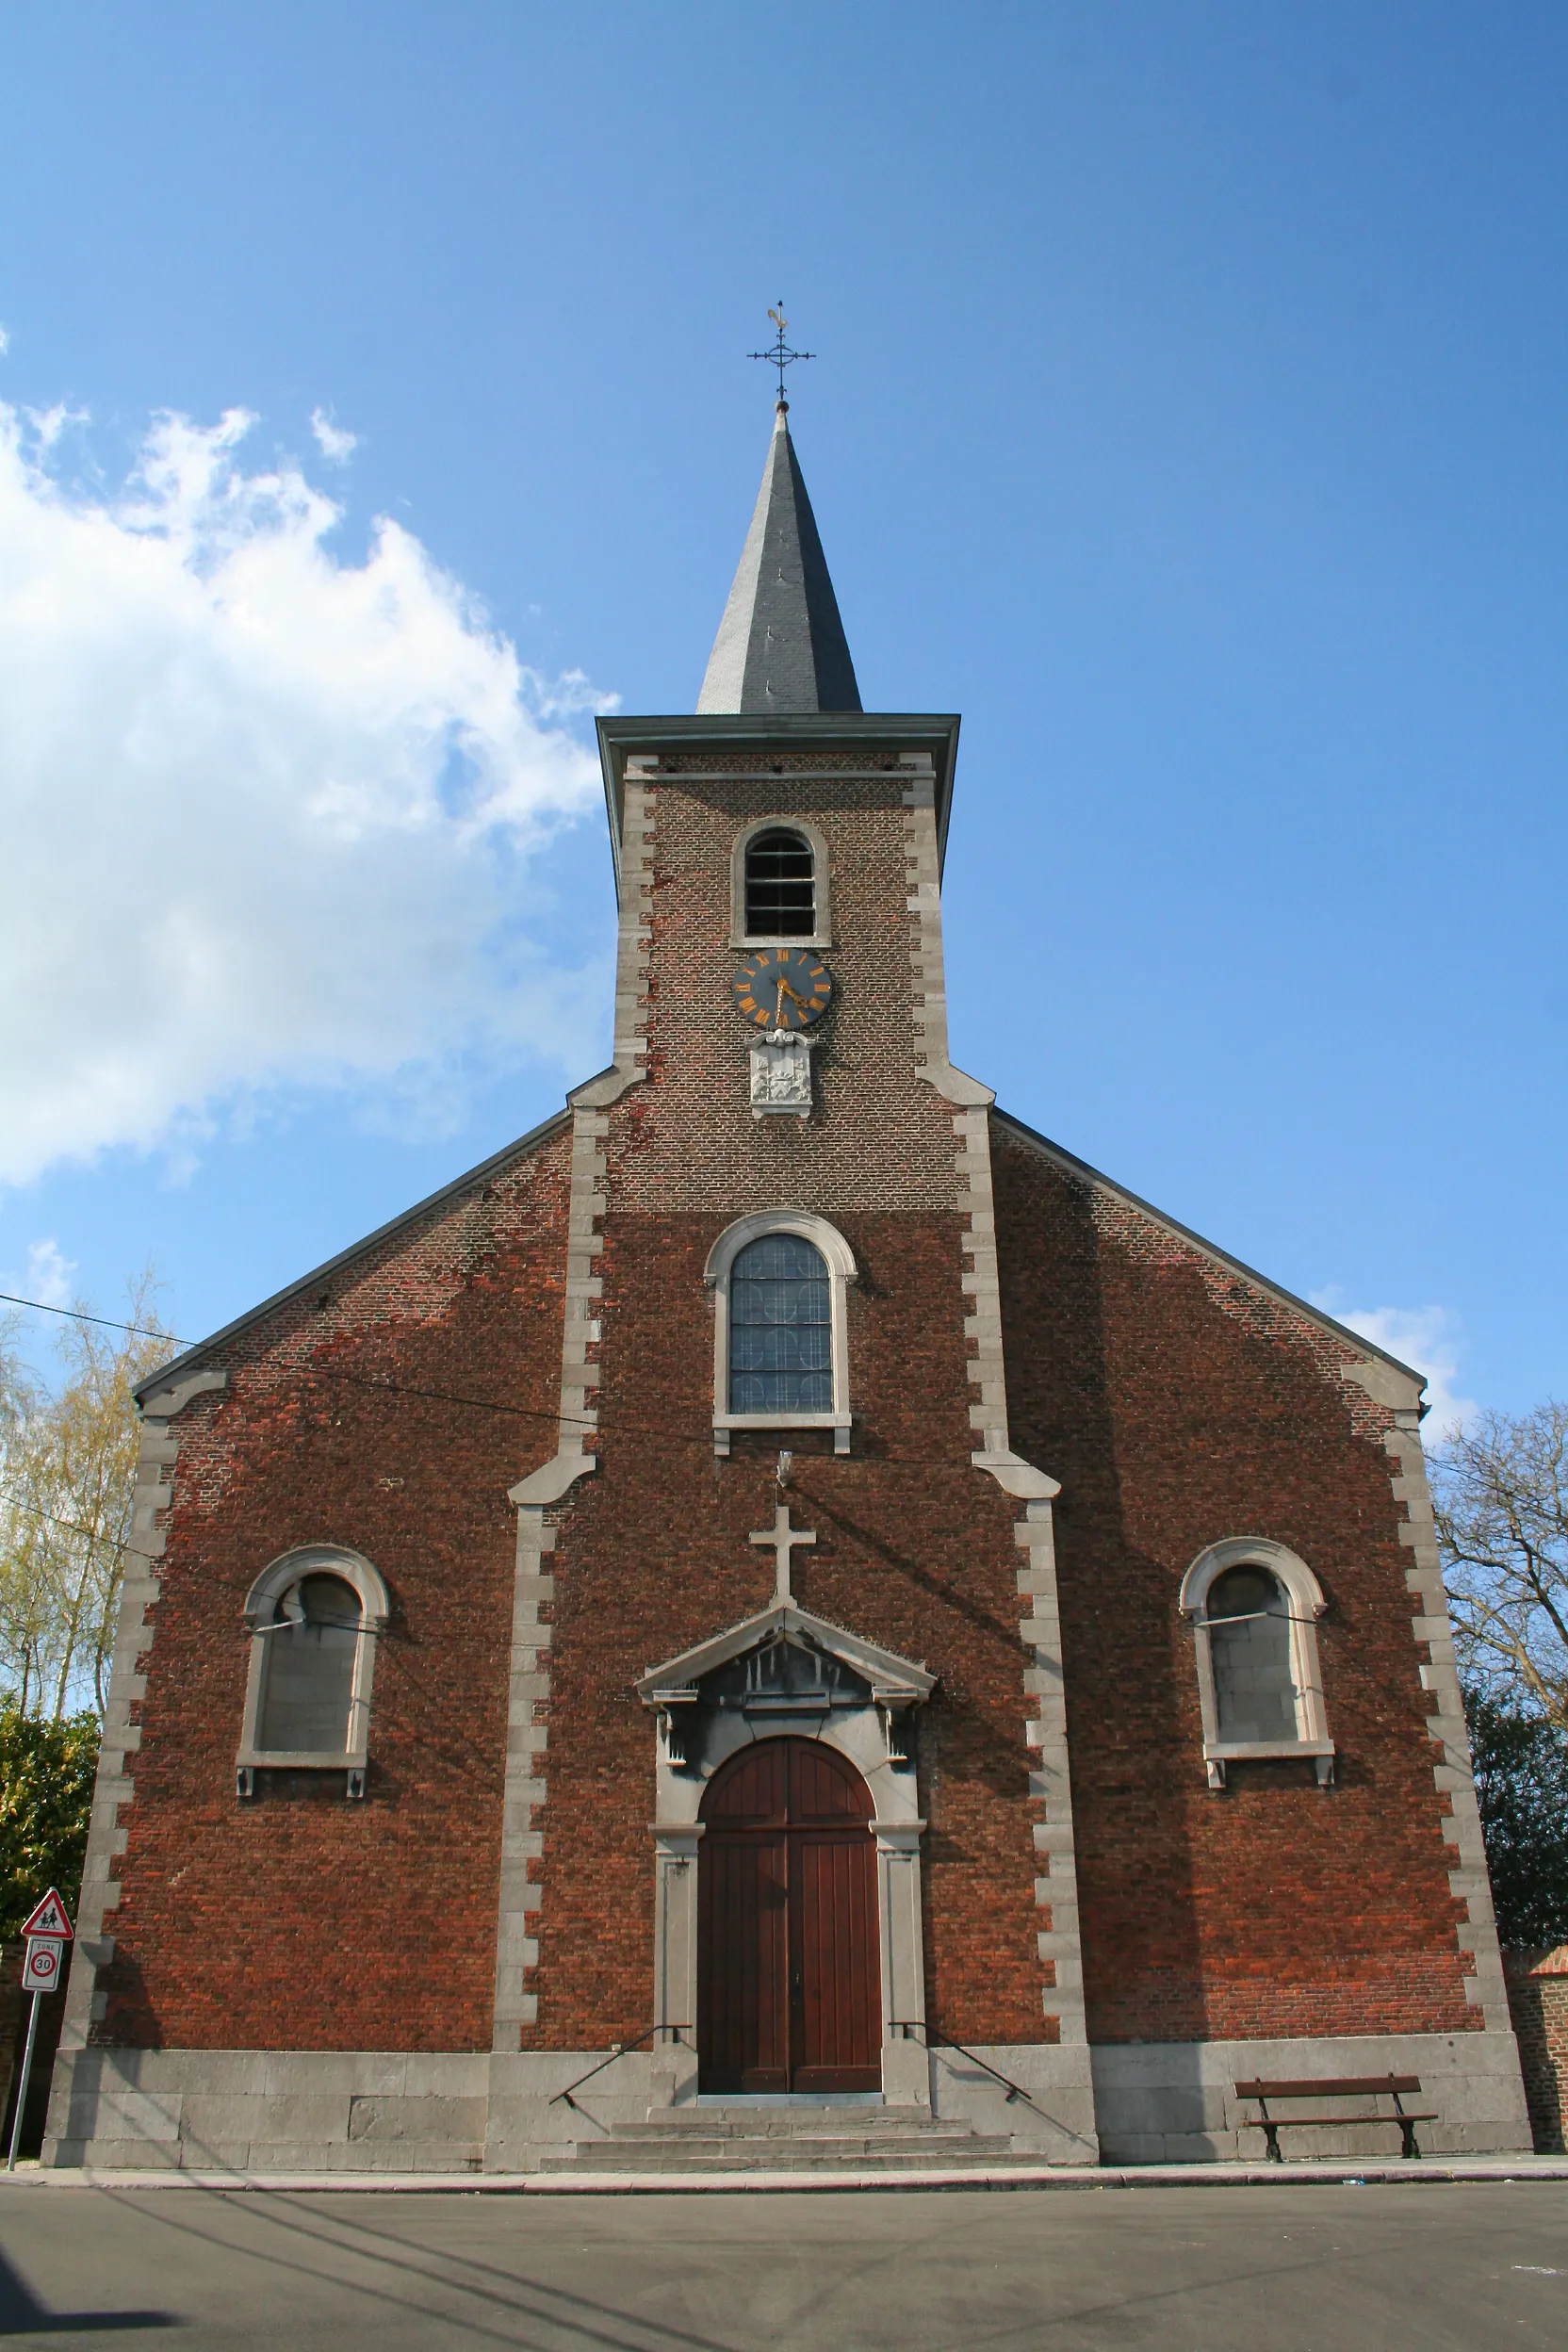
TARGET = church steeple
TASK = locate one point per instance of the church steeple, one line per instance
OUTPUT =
(781, 646)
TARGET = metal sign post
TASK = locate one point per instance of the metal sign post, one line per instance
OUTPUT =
(48, 1932)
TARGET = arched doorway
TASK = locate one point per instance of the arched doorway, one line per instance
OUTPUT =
(789, 1978)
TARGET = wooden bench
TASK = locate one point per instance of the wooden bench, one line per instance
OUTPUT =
(1398, 2087)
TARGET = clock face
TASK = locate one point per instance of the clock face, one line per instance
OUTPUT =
(783, 987)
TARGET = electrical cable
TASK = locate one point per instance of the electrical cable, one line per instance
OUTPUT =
(79, 1315)
(53, 1519)
(400, 1388)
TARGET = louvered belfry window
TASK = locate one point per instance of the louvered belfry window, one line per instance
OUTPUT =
(780, 1327)
(780, 886)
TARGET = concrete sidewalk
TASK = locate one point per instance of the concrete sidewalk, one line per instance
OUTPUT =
(1324, 2172)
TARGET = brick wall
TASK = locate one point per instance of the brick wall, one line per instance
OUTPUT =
(1538, 2003)
(1178, 1404)
(878, 1139)
(301, 1920)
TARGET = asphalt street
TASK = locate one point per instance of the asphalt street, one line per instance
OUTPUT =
(1320, 2269)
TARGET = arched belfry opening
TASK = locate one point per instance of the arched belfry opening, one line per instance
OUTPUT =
(788, 1975)
(780, 885)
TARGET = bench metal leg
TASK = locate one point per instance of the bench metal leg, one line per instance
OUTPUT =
(1271, 2133)
(1407, 2137)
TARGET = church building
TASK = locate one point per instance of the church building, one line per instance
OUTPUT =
(783, 1620)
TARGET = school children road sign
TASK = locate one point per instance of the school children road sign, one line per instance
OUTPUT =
(43, 1970)
(49, 1919)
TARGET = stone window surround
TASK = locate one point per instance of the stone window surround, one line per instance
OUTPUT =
(350, 1568)
(1307, 1605)
(861, 1736)
(822, 936)
(841, 1270)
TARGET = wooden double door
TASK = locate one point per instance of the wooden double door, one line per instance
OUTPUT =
(789, 1977)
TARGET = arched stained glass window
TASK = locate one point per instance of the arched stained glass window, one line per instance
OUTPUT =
(780, 886)
(780, 1327)
(1249, 1620)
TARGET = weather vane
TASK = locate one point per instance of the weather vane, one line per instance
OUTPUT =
(779, 355)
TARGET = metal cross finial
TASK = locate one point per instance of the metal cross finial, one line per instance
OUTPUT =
(781, 1540)
(779, 355)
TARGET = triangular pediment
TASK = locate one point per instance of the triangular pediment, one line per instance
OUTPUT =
(889, 1677)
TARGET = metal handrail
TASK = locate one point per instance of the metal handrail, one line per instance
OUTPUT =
(618, 2050)
(1014, 2090)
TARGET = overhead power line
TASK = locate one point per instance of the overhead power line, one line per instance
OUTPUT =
(590, 1430)
(393, 1388)
(77, 1314)
(53, 1519)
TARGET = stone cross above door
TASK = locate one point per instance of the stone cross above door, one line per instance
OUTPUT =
(783, 1538)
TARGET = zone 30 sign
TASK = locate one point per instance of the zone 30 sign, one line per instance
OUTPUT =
(43, 1967)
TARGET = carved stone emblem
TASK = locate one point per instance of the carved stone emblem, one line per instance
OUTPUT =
(781, 1075)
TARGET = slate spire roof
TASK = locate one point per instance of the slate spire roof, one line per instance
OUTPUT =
(781, 644)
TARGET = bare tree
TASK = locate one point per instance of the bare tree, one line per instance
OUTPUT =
(1500, 1494)
(67, 1466)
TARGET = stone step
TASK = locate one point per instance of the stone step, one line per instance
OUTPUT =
(933, 2148)
(780, 2159)
(962, 2153)
(754, 2123)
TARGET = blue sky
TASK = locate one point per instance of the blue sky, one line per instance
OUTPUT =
(1188, 413)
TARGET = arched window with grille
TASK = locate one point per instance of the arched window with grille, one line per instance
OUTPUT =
(1255, 1609)
(314, 1617)
(308, 1687)
(778, 884)
(780, 1281)
(1249, 1626)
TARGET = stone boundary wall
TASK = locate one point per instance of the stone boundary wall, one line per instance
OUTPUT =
(1537, 1983)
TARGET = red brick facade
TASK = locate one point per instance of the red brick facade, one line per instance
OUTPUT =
(1178, 1402)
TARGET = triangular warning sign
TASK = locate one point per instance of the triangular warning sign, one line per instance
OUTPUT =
(49, 1919)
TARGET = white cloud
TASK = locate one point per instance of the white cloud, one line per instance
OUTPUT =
(330, 439)
(265, 813)
(49, 423)
(48, 1276)
(1428, 1339)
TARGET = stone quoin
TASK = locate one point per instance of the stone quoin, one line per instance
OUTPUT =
(1083, 1579)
